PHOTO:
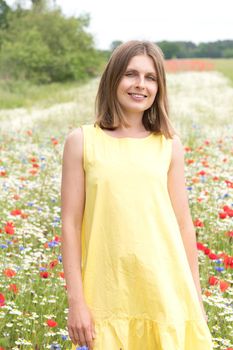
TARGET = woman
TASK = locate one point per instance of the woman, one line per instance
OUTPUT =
(128, 241)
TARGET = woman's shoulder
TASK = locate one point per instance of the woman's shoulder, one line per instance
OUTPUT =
(73, 145)
(74, 136)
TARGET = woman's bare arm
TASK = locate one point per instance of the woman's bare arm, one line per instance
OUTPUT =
(179, 199)
(80, 321)
(72, 206)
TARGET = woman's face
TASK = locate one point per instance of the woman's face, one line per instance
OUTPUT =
(138, 86)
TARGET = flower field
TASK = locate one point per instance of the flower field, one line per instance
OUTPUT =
(33, 305)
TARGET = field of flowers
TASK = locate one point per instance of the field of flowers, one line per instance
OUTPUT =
(33, 305)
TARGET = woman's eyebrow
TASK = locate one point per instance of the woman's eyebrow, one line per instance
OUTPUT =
(135, 70)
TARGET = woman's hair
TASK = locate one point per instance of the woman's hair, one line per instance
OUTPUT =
(109, 114)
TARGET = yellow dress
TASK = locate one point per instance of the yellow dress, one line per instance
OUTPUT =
(135, 272)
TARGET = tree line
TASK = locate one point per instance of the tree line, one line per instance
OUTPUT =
(42, 45)
(188, 49)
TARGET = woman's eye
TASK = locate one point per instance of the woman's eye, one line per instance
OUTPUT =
(151, 77)
(129, 74)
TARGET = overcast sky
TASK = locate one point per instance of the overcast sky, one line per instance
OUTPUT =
(197, 20)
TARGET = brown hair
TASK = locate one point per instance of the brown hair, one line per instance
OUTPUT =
(109, 114)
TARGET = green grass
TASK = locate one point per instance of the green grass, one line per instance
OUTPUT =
(225, 66)
(16, 94)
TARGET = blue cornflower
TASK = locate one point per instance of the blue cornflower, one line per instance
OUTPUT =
(43, 269)
(55, 347)
(218, 268)
(52, 244)
(3, 246)
(189, 188)
(64, 337)
(219, 261)
(60, 258)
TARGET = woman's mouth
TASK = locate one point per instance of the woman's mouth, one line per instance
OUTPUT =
(137, 96)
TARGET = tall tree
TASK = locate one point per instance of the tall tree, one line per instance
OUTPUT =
(4, 10)
(39, 5)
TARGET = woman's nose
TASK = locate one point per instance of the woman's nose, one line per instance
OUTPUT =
(140, 81)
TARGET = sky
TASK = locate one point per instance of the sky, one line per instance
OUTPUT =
(155, 20)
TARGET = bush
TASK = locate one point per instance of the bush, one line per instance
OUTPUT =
(45, 46)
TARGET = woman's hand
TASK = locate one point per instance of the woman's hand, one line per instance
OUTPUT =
(81, 325)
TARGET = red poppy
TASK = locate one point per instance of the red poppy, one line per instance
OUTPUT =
(24, 215)
(9, 228)
(54, 141)
(53, 263)
(2, 300)
(223, 285)
(3, 173)
(13, 287)
(200, 246)
(228, 262)
(215, 178)
(207, 251)
(16, 212)
(213, 256)
(61, 274)
(9, 273)
(44, 274)
(33, 159)
(207, 293)
(29, 132)
(33, 171)
(51, 323)
(222, 215)
(228, 210)
(229, 183)
(229, 233)
(189, 161)
(198, 223)
(16, 197)
(187, 149)
(213, 280)
(202, 173)
(207, 142)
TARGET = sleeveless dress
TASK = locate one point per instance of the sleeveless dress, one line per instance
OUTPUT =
(135, 273)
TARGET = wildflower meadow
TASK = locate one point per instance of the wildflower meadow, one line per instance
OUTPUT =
(33, 305)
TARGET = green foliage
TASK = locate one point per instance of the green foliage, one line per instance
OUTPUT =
(44, 46)
(225, 66)
(187, 49)
(114, 44)
(4, 10)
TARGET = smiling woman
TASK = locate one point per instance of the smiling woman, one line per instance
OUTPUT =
(138, 87)
(128, 242)
(137, 72)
